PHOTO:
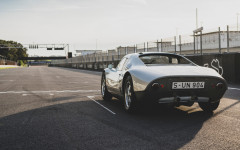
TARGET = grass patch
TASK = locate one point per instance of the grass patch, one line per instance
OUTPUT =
(7, 67)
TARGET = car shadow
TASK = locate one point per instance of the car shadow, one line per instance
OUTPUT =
(86, 125)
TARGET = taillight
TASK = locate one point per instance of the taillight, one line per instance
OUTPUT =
(213, 86)
(157, 85)
(162, 86)
(218, 85)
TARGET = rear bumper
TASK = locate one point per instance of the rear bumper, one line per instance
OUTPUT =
(183, 99)
(165, 93)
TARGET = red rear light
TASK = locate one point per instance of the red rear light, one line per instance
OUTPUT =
(157, 85)
(217, 86)
(213, 85)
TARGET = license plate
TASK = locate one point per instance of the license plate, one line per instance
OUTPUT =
(188, 85)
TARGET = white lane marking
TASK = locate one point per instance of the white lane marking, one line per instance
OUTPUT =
(230, 88)
(51, 94)
(26, 94)
(91, 97)
(72, 82)
(7, 80)
(36, 92)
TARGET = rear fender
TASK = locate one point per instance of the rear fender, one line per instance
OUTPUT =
(141, 79)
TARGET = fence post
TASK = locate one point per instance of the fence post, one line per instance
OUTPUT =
(107, 56)
(147, 46)
(135, 48)
(144, 47)
(194, 43)
(157, 46)
(118, 54)
(95, 59)
(180, 44)
(227, 38)
(201, 42)
(161, 45)
(113, 56)
(219, 39)
(175, 42)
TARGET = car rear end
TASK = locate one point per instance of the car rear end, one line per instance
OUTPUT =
(184, 89)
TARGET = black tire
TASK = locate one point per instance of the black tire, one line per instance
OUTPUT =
(208, 106)
(104, 92)
(129, 96)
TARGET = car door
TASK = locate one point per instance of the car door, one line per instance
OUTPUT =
(114, 76)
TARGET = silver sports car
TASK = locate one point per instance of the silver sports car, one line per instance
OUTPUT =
(162, 78)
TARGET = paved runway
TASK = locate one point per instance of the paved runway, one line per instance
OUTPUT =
(59, 108)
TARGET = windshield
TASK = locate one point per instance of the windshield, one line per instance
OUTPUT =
(161, 59)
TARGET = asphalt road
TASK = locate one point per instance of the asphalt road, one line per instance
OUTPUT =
(59, 108)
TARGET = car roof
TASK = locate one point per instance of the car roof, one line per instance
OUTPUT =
(149, 53)
(134, 57)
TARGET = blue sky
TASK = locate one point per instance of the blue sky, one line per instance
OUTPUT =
(109, 22)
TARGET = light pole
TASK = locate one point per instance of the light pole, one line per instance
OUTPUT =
(96, 44)
(176, 39)
(237, 20)
(197, 28)
(176, 32)
(196, 18)
(201, 23)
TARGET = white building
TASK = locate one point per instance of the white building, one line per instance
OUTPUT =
(86, 52)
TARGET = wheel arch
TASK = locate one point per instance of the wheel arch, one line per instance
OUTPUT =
(123, 81)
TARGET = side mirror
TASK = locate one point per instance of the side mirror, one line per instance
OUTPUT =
(110, 66)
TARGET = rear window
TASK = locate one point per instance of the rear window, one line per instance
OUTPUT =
(163, 59)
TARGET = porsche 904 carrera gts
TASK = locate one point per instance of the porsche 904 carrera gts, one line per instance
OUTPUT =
(162, 78)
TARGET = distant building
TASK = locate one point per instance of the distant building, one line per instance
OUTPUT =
(125, 50)
(86, 52)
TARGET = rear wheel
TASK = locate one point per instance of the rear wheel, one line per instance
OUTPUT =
(208, 106)
(104, 92)
(129, 96)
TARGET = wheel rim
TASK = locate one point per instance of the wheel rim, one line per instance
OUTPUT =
(103, 87)
(128, 95)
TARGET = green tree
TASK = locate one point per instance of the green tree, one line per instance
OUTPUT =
(15, 52)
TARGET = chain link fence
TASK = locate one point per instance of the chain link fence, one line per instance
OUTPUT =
(202, 41)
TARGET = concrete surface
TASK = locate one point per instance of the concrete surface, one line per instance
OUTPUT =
(59, 108)
(7, 66)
